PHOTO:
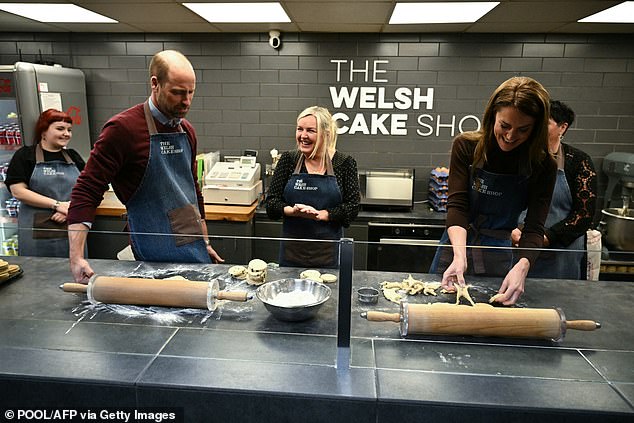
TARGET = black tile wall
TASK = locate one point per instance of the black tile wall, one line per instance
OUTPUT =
(249, 94)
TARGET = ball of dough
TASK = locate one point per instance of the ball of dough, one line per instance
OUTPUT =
(239, 272)
(311, 274)
(329, 277)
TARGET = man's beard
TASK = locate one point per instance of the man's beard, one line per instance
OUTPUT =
(171, 111)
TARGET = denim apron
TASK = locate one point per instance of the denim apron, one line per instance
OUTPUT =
(559, 264)
(53, 179)
(496, 201)
(322, 192)
(165, 203)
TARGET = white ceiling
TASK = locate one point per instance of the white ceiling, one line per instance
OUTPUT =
(340, 16)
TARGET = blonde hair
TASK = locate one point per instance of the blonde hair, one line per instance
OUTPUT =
(326, 131)
(530, 98)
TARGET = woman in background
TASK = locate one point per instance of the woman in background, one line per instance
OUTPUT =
(315, 189)
(42, 176)
(573, 204)
(495, 174)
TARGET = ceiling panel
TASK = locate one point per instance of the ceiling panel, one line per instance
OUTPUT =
(544, 11)
(339, 12)
(355, 16)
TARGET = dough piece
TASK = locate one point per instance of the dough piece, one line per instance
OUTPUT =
(493, 298)
(463, 292)
(256, 272)
(430, 288)
(392, 294)
(239, 272)
(329, 278)
(176, 278)
(410, 280)
(311, 274)
(412, 286)
(415, 288)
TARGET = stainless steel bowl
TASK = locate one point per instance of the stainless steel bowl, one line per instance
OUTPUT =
(295, 312)
(618, 228)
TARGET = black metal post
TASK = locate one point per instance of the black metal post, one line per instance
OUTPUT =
(346, 262)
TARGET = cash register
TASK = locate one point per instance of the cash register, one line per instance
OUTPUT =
(235, 182)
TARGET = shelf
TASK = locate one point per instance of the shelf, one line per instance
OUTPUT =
(10, 147)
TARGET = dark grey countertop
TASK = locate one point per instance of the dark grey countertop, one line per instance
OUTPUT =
(240, 363)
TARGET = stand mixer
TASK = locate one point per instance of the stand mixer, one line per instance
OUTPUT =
(617, 224)
(620, 169)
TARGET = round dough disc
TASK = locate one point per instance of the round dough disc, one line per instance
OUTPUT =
(238, 271)
(311, 274)
(329, 277)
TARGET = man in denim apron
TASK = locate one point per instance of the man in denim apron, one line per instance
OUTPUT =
(154, 178)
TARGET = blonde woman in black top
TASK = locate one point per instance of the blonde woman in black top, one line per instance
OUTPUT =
(315, 189)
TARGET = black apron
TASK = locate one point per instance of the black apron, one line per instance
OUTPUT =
(496, 201)
(321, 192)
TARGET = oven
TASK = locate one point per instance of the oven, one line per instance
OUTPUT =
(402, 247)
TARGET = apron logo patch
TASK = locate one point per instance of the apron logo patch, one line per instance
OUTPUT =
(300, 185)
(480, 186)
(169, 148)
(51, 171)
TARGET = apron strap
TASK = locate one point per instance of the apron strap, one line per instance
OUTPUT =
(151, 126)
(39, 155)
(149, 119)
(300, 161)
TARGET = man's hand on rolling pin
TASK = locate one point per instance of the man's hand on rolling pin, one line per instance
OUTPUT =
(513, 285)
(81, 270)
(454, 275)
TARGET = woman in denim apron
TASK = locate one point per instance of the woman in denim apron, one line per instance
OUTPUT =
(495, 173)
(316, 191)
(42, 229)
(572, 206)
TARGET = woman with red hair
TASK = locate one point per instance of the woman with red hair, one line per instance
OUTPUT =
(42, 177)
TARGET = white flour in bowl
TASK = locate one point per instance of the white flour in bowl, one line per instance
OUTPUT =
(293, 299)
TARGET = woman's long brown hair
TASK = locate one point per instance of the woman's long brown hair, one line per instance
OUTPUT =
(530, 98)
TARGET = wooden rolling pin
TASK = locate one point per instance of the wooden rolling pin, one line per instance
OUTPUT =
(155, 292)
(481, 320)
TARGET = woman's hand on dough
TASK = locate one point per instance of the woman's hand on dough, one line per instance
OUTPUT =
(454, 275)
(512, 287)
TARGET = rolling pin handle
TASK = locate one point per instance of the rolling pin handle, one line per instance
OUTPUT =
(379, 316)
(582, 324)
(74, 287)
(234, 295)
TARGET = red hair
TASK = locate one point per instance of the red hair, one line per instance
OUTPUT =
(46, 119)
